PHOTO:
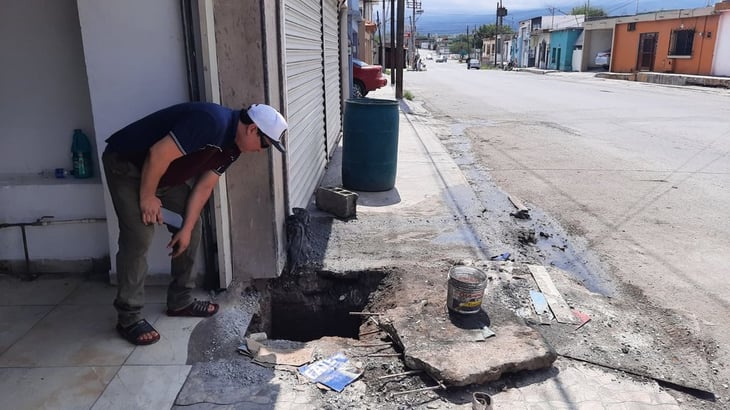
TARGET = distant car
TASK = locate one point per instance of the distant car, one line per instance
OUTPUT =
(473, 63)
(603, 58)
(366, 77)
(441, 58)
(429, 57)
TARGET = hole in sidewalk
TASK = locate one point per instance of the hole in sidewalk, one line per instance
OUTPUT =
(315, 305)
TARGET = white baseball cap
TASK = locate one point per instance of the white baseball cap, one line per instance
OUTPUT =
(270, 122)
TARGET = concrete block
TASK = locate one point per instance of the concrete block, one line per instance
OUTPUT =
(337, 201)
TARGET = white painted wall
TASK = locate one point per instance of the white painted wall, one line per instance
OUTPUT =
(721, 61)
(135, 62)
(43, 96)
(43, 89)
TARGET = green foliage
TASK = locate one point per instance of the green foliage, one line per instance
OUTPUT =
(460, 45)
(588, 11)
(463, 44)
(408, 95)
(490, 30)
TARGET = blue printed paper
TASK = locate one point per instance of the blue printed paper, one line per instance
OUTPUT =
(335, 372)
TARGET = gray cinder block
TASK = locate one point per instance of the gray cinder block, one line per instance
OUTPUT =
(337, 201)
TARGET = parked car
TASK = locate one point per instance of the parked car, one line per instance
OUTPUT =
(473, 63)
(441, 58)
(603, 58)
(429, 56)
(366, 77)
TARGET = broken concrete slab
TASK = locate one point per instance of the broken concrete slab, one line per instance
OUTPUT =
(442, 343)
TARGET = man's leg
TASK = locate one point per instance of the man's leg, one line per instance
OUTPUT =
(179, 293)
(123, 179)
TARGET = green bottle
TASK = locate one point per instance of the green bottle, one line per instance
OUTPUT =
(81, 155)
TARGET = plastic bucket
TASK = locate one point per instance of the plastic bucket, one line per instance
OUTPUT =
(465, 289)
(370, 144)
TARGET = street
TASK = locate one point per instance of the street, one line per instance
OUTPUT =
(635, 174)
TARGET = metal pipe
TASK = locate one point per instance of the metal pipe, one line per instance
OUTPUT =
(44, 221)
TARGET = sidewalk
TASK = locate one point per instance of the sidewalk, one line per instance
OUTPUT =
(58, 349)
(648, 77)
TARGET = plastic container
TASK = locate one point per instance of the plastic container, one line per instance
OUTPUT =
(465, 289)
(370, 144)
(81, 155)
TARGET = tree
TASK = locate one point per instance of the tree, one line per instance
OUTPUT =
(459, 45)
(588, 11)
(489, 31)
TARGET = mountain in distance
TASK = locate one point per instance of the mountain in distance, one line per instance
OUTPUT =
(440, 23)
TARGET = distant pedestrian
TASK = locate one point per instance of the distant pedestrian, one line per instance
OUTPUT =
(173, 158)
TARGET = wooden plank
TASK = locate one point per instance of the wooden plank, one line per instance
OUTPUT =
(555, 300)
(517, 203)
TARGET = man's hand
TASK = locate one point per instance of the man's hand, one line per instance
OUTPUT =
(150, 208)
(179, 243)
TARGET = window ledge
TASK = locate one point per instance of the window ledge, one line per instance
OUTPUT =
(680, 57)
(33, 179)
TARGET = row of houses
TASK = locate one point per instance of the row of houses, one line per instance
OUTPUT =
(687, 41)
(97, 65)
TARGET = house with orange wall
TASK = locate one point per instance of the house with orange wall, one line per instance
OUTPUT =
(675, 41)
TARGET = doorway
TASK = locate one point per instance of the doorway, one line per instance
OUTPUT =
(647, 51)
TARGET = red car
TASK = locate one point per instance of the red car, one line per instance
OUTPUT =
(366, 77)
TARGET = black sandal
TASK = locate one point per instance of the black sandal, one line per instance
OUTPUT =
(199, 308)
(134, 332)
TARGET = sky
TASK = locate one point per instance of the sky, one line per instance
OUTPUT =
(488, 7)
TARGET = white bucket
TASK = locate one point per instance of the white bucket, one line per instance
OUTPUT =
(465, 289)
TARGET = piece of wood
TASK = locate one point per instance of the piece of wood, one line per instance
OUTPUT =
(398, 393)
(373, 345)
(555, 300)
(408, 373)
(370, 332)
(366, 314)
(517, 203)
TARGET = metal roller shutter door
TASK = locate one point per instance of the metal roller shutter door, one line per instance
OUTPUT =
(305, 98)
(332, 77)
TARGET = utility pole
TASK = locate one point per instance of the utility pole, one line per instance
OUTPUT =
(501, 12)
(382, 39)
(468, 45)
(399, 53)
(496, 33)
(393, 54)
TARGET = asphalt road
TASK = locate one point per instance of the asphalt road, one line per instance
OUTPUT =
(639, 173)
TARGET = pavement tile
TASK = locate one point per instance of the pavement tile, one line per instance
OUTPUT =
(70, 335)
(43, 291)
(143, 387)
(16, 321)
(53, 388)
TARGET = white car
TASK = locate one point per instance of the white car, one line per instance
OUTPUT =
(473, 63)
(441, 58)
(603, 58)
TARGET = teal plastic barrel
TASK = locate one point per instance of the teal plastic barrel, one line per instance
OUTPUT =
(370, 144)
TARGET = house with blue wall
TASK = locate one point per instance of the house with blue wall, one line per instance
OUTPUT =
(562, 44)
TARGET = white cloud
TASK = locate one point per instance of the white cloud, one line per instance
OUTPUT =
(489, 7)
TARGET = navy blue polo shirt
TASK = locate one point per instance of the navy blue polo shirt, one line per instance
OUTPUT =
(204, 132)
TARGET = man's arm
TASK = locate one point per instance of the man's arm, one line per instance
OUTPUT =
(196, 201)
(158, 159)
(199, 197)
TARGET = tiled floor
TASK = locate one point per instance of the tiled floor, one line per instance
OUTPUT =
(59, 348)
